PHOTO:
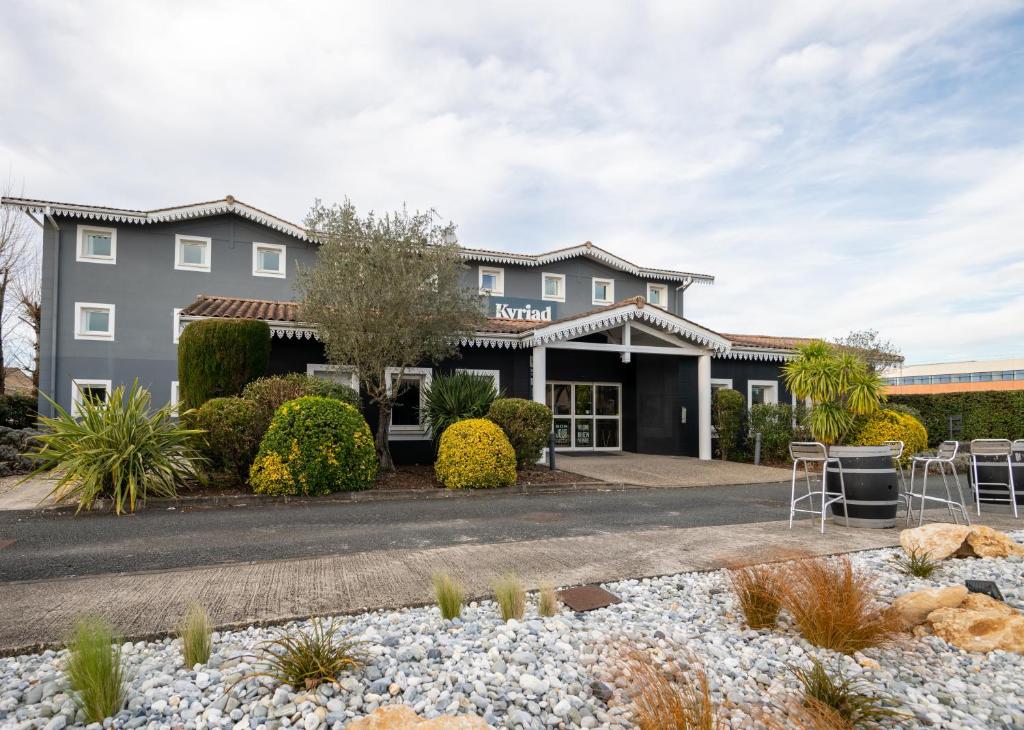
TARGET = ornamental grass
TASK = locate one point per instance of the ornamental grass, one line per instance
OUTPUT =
(94, 670)
(510, 596)
(307, 659)
(836, 607)
(849, 702)
(917, 563)
(196, 636)
(758, 590)
(547, 601)
(449, 595)
(669, 698)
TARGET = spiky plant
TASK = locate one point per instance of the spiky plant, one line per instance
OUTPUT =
(917, 563)
(456, 397)
(851, 700)
(510, 596)
(449, 595)
(94, 670)
(196, 636)
(309, 658)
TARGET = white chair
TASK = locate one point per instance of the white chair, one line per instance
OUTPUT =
(1000, 449)
(897, 447)
(943, 458)
(812, 452)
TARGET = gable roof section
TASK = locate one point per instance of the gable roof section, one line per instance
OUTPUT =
(588, 250)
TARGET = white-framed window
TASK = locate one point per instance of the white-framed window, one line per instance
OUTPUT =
(552, 287)
(269, 259)
(494, 375)
(492, 280)
(719, 383)
(338, 373)
(94, 321)
(762, 391)
(85, 389)
(657, 294)
(603, 290)
(174, 398)
(192, 253)
(586, 415)
(407, 420)
(97, 245)
(176, 322)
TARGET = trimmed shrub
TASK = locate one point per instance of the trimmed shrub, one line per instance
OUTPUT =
(987, 414)
(232, 432)
(17, 411)
(774, 421)
(315, 445)
(272, 392)
(455, 397)
(217, 357)
(889, 425)
(475, 453)
(526, 424)
(727, 408)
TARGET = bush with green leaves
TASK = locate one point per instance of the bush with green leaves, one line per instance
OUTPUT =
(94, 670)
(475, 454)
(774, 421)
(217, 357)
(315, 445)
(526, 423)
(455, 397)
(17, 411)
(271, 392)
(889, 425)
(231, 434)
(995, 414)
(117, 449)
(727, 411)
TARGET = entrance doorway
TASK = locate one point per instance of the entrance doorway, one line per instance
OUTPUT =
(587, 416)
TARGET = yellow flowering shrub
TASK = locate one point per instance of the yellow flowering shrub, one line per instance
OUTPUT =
(475, 453)
(315, 445)
(886, 425)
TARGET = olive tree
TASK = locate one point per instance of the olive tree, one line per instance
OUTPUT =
(386, 293)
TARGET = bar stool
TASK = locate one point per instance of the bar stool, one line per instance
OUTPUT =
(1001, 449)
(897, 447)
(808, 452)
(944, 457)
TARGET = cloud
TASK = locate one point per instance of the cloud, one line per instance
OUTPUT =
(836, 165)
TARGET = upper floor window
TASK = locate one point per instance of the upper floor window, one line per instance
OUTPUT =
(604, 291)
(268, 259)
(657, 294)
(97, 245)
(554, 287)
(192, 253)
(94, 321)
(492, 281)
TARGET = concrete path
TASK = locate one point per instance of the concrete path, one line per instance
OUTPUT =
(651, 470)
(41, 612)
(31, 494)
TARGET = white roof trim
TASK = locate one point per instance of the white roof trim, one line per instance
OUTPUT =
(589, 250)
(165, 215)
(283, 330)
(766, 355)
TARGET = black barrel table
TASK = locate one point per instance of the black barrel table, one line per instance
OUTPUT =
(872, 486)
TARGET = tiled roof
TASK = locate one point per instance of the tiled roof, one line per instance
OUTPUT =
(235, 308)
(768, 341)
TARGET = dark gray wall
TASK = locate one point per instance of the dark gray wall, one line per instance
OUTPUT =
(743, 371)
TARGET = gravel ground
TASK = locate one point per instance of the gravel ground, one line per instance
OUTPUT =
(545, 673)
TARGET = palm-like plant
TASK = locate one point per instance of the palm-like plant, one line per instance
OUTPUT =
(840, 385)
(117, 449)
(456, 397)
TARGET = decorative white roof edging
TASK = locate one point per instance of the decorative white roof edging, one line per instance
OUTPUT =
(765, 356)
(495, 342)
(300, 333)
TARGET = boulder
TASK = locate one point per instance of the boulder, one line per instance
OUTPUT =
(984, 542)
(400, 717)
(939, 539)
(980, 624)
(914, 607)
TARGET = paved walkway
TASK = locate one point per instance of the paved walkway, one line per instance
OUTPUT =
(32, 494)
(650, 470)
(140, 604)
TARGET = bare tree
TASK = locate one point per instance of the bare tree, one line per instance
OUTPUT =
(386, 294)
(28, 297)
(879, 354)
(14, 254)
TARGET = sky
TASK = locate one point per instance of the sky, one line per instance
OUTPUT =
(835, 165)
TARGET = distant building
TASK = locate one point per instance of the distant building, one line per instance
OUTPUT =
(16, 382)
(955, 377)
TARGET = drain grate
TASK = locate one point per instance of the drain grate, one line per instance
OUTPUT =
(587, 598)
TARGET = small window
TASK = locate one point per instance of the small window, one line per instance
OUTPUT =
(192, 253)
(492, 281)
(553, 288)
(176, 317)
(94, 321)
(407, 414)
(762, 391)
(97, 245)
(93, 391)
(268, 259)
(174, 397)
(604, 291)
(657, 294)
(338, 373)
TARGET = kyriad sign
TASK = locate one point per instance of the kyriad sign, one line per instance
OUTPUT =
(521, 309)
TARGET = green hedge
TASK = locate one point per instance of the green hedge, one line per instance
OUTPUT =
(217, 357)
(17, 411)
(232, 430)
(997, 414)
(526, 423)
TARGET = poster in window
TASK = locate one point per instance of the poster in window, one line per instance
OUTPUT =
(584, 433)
(563, 437)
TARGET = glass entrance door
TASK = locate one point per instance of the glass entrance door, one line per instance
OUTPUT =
(587, 415)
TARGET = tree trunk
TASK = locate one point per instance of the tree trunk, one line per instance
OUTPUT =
(381, 438)
(3, 299)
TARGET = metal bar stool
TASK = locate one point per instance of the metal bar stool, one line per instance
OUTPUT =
(808, 452)
(946, 453)
(896, 447)
(1000, 449)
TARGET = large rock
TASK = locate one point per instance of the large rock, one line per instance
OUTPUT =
(939, 539)
(915, 607)
(984, 542)
(980, 623)
(400, 717)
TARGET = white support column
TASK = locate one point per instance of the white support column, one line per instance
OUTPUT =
(704, 405)
(627, 341)
(540, 373)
